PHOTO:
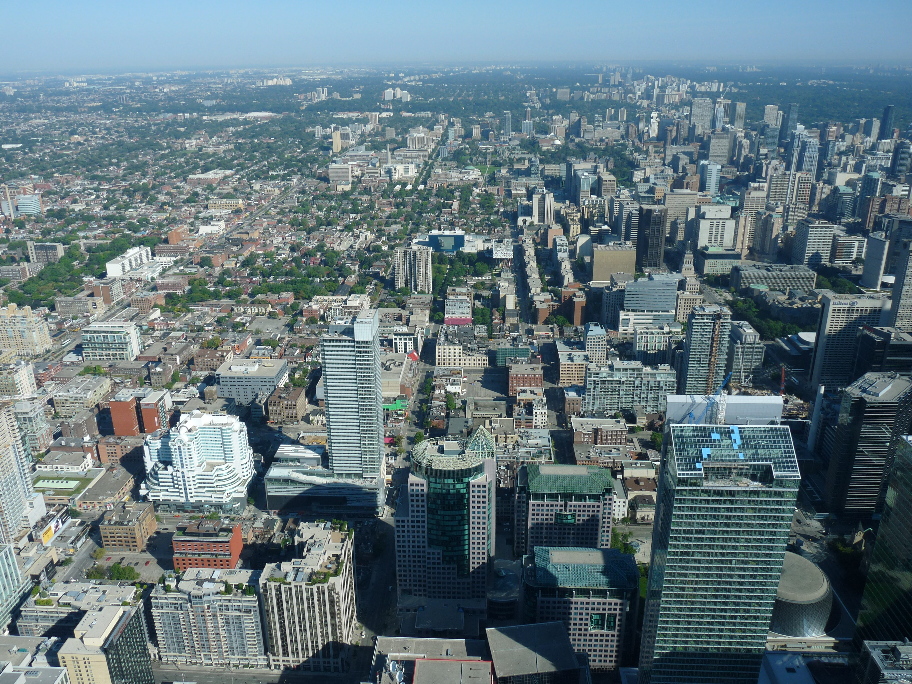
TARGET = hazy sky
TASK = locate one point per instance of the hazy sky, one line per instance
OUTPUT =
(75, 35)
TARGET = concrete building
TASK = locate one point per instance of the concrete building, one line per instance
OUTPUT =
(445, 521)
(705, 350)
(17, 380)
(594, 592)
(12, 584)
(745, 353)
(130, 260)
(44, 252)
(350, 355)
(901, 312)
(813, 242)
(710, 596)
(412, 268)
(571, 366)
(596, 340)
(875, 411)
(128, 526)
(81, 393)
(205, 460)
(884, 662)
(110, 646)
(653, 344)
(612, 258)
(110, 342)
(210, 618)
(34, 428)
(23, 331)
(522, 374)
(562, 505)
(535, 654)
(19, 505)
(286, 405)
(780, 277)
(623, 385)
(837, 332)
(309, 602)
(246, 380)
(66, 604)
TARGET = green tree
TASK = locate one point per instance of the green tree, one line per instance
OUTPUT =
(418, 438)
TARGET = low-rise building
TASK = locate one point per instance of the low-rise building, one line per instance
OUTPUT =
(65, 604)
(208, 544)
(286, 405)
(114, 486)
(82, 392)
(128, 526)
(598, 431)
(244, 381)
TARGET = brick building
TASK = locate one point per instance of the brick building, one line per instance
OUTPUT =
(207, 544)
(128, 526)
(524, 375)
(286, 405)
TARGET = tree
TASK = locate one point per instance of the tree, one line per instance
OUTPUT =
(450, 402)
(122, 573)
(621, 542)
(206, 262)
(418, 438)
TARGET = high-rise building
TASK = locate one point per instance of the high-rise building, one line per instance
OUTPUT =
(596, 343)
(710, 592)
(562, 505)
(650, 242)
(246, 380)
(350, 354)
(710, 173)
(412, 268)
(542, 207)
(204, 460)
(771, 115)
(882, 350)
(210, 618)
(886, 605)
(701, 114)
(65, 604)
(592, 591)
(110, 646)
(110, 342)
(789, 123)
(309, 602)
(445, 521)
(901, 162)
(622, 385)
(23, 331)
(813, 242)
(886, 123)
(507, 124)
(901, 311)
(745, 352)
(875, 411)
(705, 350)
(16, 494)
(12, 584)
(840, 319)
(17, 380)
(34, 428)
(738, 114)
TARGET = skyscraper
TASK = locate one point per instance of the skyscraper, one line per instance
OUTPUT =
(111, 646)
(725, 504)
(508, 124)
(875, 411)
(350, 354)
(745, 352)
(813, 242)
(16, 493)
(901, 311)
(710, 173)
(886, 605)
(204, 460)
(705, 350)
(650, 241)
(412, 268)
(739, 114)
(771, 115)
(701, 114)
(840, 319)
(789, 123)
(446, 519)
(12, 586)
(886, 123)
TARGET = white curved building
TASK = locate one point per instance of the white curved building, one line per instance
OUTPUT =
(205, 460)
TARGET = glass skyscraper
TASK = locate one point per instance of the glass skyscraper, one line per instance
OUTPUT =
(886, 605)
(725, 505)
(350, 354)
(705, 350)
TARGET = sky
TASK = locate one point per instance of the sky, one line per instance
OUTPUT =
(71, 36)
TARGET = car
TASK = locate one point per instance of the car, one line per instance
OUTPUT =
(148, 561)
(108, 559)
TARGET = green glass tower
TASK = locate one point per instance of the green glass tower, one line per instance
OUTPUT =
(725, 504)
(886, 605)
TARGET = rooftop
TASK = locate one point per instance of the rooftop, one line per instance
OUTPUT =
(801, 581)
(531, 649)
(582, 567)
(581, 479)
(697, 446)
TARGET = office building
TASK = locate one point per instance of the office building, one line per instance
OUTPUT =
(110, 646)
(901, 311)
(110, 342)
(657, 292)
(210, 618)
(876, 249)
(886, 123)
(837, 334)
(246, 380)
(779, 277)
(23, 331)
(882, 350)
(596, 343)
(901, 162)
(412, 268)
(886, 604)
(350, 354)
(623, 385)
(594, 592)
(128, 526)
(309, 602)
(710, 174)
(204, 460)
(813, 242)
(562, 505)
(875, 411)
(745, 353)
(445, 520)
(705, 350)
(710, 596)
(650, 242)
(885, 662)
(130, 260)
(710, 225)
(207, 543)
(789, 123)
(701, 114)
(81, 393)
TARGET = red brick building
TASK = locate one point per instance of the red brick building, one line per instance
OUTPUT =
(524, 375)
(207, 544)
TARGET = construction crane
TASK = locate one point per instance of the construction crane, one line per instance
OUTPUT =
(717, 399)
